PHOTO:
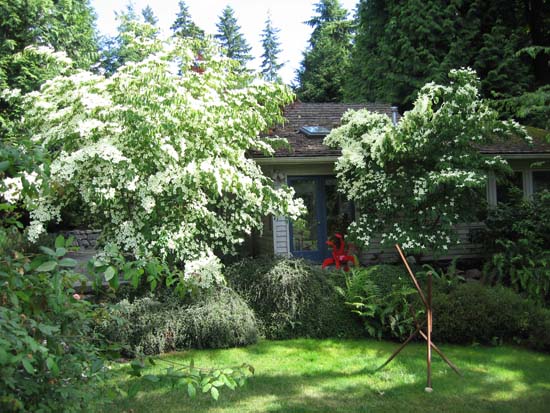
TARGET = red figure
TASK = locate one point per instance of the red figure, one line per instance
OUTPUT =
(340, 255)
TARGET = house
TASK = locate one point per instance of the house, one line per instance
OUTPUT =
(308, 166)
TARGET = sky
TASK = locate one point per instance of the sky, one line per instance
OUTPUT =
(287, 15)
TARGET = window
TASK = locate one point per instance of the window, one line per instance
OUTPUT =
(314, 131)
(511, 189)
(541, 181)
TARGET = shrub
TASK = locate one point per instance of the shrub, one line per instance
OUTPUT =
(473, 312)
(518, 236)
(293, 298)
(539, 329)
(167, 322)
(50, 360)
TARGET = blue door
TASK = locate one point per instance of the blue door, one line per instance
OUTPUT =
(327, 212)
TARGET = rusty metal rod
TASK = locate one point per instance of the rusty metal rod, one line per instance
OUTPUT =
(438, 351)
(396, 352)
(429, 338)
(414, 280)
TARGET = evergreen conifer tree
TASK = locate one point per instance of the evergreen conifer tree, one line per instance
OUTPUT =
(184, 26)
(230, 37)
(149, 16)
(272, 48)
(323, 70)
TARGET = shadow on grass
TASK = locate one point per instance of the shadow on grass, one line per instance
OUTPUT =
(495, 380)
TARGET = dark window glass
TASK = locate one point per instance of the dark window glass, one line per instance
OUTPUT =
(304, 232)
(340, 211)
(511, 189)
(541, 181)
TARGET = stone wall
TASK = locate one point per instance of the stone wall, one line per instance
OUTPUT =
(83, 238)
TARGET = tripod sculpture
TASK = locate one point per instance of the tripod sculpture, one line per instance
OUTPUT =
(419, 328)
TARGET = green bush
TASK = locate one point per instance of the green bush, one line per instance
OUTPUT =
(518, 238)
(473, 312)
(166, 322)
(539, 329)
(50, 358)
(293, 298)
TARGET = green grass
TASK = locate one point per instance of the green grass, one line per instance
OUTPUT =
(305, 375)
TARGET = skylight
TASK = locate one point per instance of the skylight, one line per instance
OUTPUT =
(314, 130)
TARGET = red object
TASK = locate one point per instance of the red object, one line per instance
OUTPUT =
(340, 255)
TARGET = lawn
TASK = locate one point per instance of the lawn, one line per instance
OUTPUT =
(337, 376)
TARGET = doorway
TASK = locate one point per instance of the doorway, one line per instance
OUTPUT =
(327, 212)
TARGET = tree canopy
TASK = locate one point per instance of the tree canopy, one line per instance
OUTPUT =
(399, 46)
(183, 25)
(323, 70)
(232, 41)
(156, 155)
(412, 182)
(272, 48)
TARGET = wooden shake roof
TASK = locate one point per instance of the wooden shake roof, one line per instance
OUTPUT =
(328, 115)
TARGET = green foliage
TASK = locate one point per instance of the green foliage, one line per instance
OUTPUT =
(272, 47)
(232, 41)
(134, 41)
(50, 359)
(399, 46)
(184, 26)
(149, 16)
(518, 237)
(381, 296)
(66, 26)
(185, 376)
(477, 313)
(323, 71)
(412, 182)
(163, 323)
(292, 298)
(161, 150)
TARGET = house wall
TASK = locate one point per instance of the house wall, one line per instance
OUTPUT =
(275, 237)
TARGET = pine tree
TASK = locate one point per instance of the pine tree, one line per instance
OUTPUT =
(183, 25)
(149, 16)
(230, 37)
(271, 45)
(322, 73)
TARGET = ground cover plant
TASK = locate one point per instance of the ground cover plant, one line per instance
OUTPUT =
(307, 375)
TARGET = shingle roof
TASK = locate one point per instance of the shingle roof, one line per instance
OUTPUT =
(518, 146)
(301, 114)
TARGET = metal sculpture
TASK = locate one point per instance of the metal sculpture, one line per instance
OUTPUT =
(340, 254)
(419, 328)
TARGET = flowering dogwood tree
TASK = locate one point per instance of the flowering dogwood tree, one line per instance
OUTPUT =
(156, 154)
(412, 182)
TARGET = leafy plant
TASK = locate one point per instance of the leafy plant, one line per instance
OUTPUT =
(518, 236)
(381, 295)
(165, 321)
(50, 357)
(193, 379)
(414, 181)
(166, 178)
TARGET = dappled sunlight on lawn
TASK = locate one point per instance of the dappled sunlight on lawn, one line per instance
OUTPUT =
(338, 376)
